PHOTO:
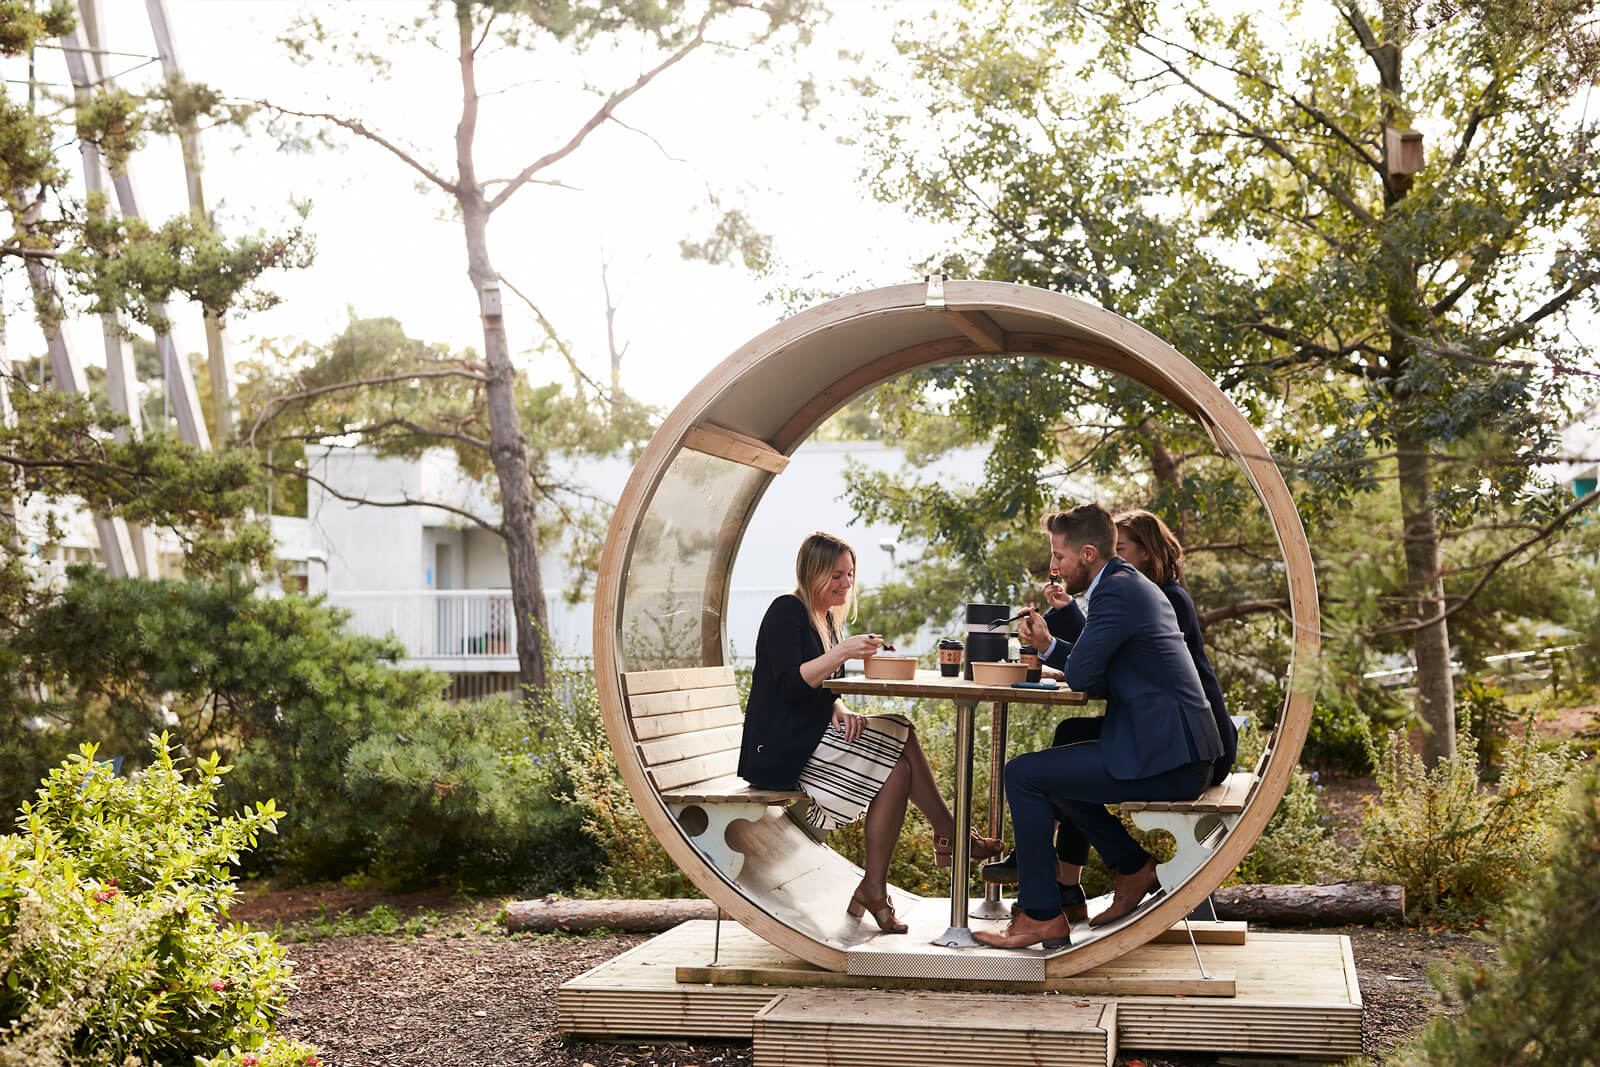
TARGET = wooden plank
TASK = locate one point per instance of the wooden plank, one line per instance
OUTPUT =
(980, 329)
(700, 769)
(1221, 932)
(933, 684)
(1229, 797)
(736, 447)
(672, 700)
(689, 745)
(679, 678)
(845, 1029)
(730, 790)
(1091, 983)
(684, 721)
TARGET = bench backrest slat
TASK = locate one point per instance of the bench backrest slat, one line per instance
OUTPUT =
(653, 726)
(691, 771)
(648, 704)
(640, 682)
(688, 745)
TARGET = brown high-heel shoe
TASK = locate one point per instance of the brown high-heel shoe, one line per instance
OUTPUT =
(882, 912)
(982, 848)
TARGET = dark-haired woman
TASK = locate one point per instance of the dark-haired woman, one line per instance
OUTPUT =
(797, 735)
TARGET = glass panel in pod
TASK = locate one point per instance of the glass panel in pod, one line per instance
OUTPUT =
(672, 602)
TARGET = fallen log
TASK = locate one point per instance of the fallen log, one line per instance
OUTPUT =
(1343, 904)
(555, 913)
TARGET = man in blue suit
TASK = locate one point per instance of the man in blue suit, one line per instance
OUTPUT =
(1156, 740)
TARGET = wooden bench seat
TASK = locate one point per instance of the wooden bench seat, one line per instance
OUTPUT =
(687, 727)
(1227, 796)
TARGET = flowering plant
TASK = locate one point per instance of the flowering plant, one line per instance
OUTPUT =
(114, 945)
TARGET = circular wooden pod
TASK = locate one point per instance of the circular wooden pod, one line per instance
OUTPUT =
(660, 634)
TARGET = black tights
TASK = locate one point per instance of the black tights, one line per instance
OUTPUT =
(912, 779)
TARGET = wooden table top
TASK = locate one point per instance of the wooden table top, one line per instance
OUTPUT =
(934, 684)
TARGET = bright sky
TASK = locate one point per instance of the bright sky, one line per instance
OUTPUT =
(386, 247)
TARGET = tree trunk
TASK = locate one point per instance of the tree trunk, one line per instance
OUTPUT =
(1164, 468)
(508, 448)
(543, 916)
(1430, 644)
(1311, 905)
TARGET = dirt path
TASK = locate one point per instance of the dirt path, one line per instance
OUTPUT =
(466, 997)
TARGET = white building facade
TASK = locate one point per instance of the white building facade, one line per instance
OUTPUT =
(438, 579)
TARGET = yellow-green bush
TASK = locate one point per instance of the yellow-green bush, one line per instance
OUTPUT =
(114, 947)
(1455, 844)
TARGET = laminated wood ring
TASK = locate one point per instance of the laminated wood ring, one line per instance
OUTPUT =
(661, 637)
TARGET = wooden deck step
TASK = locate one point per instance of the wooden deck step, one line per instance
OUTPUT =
(840, 1028)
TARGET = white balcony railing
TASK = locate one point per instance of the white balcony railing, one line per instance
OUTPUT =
(437, 624)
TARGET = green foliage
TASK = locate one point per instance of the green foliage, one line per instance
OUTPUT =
(126, 265)
(383, 774)
(1490, 718)
(1297, 844)
(634, 864)
(1459, 848)
(23, 24)
(379, 920)
(1228, 193)
(113, 938)
(60, 446)
(1536, 1005)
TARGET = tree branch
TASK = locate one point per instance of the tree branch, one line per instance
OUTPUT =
(1520, 329)
(358, 128)
(601, 115)
(1492, 567)
(404, 501)
(561, 345)
(278, 403)
(1244, 608)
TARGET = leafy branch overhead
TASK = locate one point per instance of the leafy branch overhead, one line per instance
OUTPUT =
(1235, 185)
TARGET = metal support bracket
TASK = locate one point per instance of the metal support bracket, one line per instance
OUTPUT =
(935, 297)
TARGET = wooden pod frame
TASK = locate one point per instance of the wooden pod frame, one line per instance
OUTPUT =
(763, 401)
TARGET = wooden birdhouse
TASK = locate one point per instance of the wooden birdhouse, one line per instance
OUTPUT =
(1403, 151)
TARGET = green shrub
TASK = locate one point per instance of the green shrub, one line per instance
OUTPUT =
(1297, 844)
(630, 861)
(1490, 718)
(1537, 1005)
(1455, 846)
(381, 774)
(112, 947)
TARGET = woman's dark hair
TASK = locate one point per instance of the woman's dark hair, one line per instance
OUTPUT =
(1160, 544)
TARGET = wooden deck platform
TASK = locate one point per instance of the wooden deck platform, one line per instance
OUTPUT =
(1292, 994)
(868, 1029)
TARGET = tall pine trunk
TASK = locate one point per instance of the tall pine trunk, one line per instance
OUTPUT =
(1430, 644)
(508, 448)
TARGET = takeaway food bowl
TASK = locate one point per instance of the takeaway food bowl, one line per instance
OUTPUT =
(890, 666)
(999, 673)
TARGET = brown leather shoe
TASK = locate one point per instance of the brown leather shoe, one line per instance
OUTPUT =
(1022, 932)
(1128, 892)
(1073, 904)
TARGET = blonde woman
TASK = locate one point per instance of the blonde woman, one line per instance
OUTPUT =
(797, 735)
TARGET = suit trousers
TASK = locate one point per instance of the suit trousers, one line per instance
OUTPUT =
(1072, 783)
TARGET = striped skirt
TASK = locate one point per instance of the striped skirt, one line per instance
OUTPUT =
(842, 778)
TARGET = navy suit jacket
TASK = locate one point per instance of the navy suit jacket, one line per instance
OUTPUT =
(1067, 623)
(1131, 654)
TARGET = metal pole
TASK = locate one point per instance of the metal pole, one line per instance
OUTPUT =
(993, 905)
(959, 936)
